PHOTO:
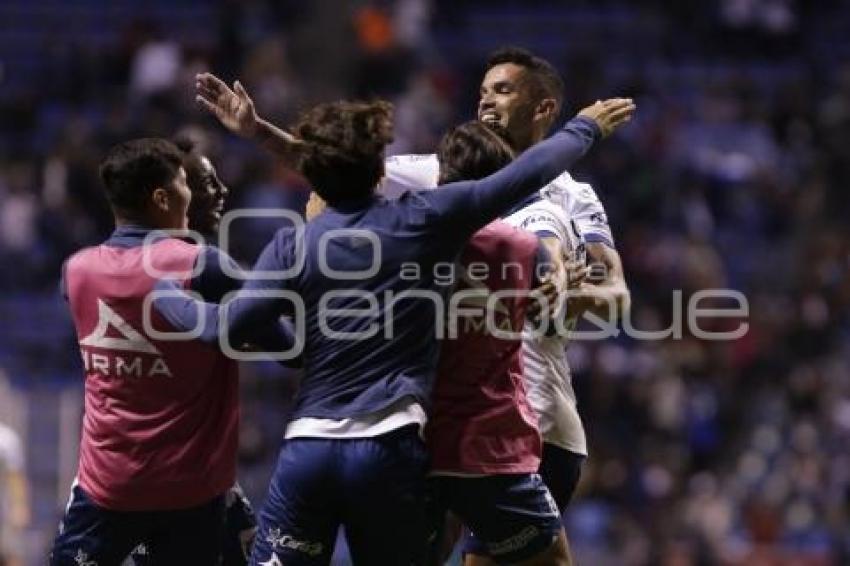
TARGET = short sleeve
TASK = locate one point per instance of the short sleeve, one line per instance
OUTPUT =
(582, 206)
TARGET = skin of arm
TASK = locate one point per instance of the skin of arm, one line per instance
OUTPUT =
(607, 297)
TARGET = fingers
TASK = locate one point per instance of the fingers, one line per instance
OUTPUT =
(209, 106)
(576, 276)
(241, 92)
(210, 82)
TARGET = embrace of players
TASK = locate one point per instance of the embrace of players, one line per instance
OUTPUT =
(405, 426)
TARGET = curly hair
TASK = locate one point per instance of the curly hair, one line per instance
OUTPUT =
(471, 151)
(343, 151)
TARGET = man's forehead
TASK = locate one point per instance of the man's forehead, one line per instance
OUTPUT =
(505, 72)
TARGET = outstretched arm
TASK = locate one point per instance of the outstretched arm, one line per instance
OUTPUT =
(236, 112)
(471, 204)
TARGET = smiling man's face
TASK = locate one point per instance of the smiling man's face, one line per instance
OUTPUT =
(507, 100)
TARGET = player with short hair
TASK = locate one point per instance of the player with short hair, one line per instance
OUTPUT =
(205, 209)
(353, 455)
(522, 95)
(158, 447)
(483, 437)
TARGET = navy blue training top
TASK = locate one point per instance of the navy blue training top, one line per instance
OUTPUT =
(371, 339)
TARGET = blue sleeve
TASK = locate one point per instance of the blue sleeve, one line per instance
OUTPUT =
(251, 319)
(213, 282)
(469, 205)
(251, 313)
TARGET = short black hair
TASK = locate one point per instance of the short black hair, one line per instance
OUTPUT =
(471, 151)
(133, 169)
(548, 82)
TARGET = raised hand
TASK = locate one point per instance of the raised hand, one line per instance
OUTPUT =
(233, 107)
(610, 114)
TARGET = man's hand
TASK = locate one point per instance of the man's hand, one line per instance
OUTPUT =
(610, 114)
(233, 108)
(576, 271)
(546, 294)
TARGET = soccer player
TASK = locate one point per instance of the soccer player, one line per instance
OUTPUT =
(353, 454)
(14, 496)
(158, 448)
(523, 95)
(205, 208)
(483, 437)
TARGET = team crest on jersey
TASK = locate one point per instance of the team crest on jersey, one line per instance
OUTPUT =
(110, 362)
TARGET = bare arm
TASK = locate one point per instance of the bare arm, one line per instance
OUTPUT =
(606, 292)
(236, 112)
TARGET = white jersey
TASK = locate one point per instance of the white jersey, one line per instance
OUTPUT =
(569, 211)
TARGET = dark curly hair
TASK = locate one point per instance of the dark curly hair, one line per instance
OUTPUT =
(343, 152)
(471, 151)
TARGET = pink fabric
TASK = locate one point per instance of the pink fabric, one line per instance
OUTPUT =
(481, 421)
(161, 417)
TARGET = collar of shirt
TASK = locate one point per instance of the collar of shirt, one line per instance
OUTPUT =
(132, 235)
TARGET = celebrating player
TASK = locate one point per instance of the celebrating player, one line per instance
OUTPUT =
(522, 95)
(158, 448)
(353, 454)
(482, 434)
(205, 208)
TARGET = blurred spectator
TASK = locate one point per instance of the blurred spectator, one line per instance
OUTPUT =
(14, 498)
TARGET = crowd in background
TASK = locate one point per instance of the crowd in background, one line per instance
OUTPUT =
(733, 175)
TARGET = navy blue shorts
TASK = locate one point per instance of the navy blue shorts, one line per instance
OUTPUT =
(560, 470)
(240, 526)
(91, 535)
(374, 487)
(513, 516)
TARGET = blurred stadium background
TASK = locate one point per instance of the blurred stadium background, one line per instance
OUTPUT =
(734, 174)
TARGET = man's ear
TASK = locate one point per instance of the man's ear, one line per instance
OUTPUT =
(546, 109)
(159, 199)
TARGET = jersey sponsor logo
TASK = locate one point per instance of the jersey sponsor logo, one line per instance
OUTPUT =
(538, 218)
(112, 364)
(279, 540)
(515, 542)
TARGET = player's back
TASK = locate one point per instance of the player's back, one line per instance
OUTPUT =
(482, 422)
(373, 298)
(161, 416)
